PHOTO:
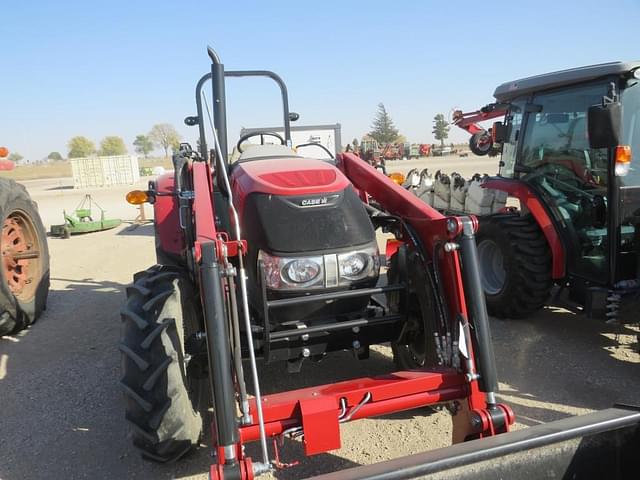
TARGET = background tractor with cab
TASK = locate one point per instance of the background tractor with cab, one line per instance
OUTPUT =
(566, 142)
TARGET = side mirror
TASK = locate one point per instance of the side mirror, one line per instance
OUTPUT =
(603, 122)
(191, 121)
(293, 116)
(499, 132)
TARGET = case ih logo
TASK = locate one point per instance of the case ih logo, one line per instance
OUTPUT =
(317, 202)
(310, 202)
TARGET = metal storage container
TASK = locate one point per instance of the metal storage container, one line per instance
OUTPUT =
(105, 171)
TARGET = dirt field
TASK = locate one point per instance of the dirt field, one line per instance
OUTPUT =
(62, 410)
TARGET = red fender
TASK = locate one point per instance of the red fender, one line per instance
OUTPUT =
(522, 192)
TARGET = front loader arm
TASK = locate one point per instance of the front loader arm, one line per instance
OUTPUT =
(439, 238)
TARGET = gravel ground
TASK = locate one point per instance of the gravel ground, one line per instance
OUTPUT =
(62, 410)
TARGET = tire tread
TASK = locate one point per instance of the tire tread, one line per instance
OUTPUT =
(528, 283)
(164, 424)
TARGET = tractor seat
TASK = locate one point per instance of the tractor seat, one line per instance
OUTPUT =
(263, 152)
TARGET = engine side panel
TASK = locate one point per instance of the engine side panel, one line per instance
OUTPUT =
(169, 235)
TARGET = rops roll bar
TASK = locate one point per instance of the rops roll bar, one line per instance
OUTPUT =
(217, 76)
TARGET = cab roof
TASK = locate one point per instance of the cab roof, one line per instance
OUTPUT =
(510, 90)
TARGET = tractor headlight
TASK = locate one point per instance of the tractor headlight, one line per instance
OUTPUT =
(322, 271)
(353, 265)
(282, 273)
(302, 270)
(358, 265)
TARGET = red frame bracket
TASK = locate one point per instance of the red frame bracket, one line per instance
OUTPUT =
(320, 425)
(316, 410)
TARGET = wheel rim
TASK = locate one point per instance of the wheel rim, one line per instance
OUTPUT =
(492, 270)
(484, 146)
(21, 262)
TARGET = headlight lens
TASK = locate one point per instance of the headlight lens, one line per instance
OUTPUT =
(322, 271)
(353, 265)
(302, 270)
(286, 273)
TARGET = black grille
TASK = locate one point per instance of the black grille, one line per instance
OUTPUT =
(296, 224)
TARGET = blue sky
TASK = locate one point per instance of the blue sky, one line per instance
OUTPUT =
(116, 68)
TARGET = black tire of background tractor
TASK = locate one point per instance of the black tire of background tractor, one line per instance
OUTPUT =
(418, 348)
(526, 261)
(18, 311)
(476, 148)
(165, 402)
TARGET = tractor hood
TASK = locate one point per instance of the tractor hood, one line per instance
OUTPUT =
(295, 204)
(286, 176)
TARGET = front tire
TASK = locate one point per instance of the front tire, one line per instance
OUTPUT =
(165, 388)
(515, 265)
(416, 346)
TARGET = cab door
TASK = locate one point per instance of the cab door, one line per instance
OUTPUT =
(570, 178)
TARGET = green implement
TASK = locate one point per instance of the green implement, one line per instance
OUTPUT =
(81, 221)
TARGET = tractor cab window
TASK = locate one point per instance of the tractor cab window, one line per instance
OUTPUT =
(513, 121)
(631, 131)
(629, 211)
(571, 177)
(556, 139)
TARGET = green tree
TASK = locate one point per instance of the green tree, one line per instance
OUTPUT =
(355, 144)
(80, 147)
(112, 145)
(15, 157)
(143, 145)
(55, 156)
(164, 136)
(440, 128)
(382, 129)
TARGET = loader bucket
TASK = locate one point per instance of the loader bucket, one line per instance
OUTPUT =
(604, 444)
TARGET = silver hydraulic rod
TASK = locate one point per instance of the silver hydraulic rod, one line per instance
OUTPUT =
(237, 351)
(245, 308)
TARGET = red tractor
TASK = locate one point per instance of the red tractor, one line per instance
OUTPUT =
(566, 142)
(24, 276)
(275, 257)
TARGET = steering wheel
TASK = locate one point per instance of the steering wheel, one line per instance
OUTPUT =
(563, 173)
(246, 137)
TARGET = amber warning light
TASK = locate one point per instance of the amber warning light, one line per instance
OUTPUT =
(623, 160)
(397, 177)
(137, 197)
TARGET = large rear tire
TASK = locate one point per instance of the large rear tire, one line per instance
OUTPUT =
(416, 347)
(24, 275)
(165, 388)
(515, 265)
